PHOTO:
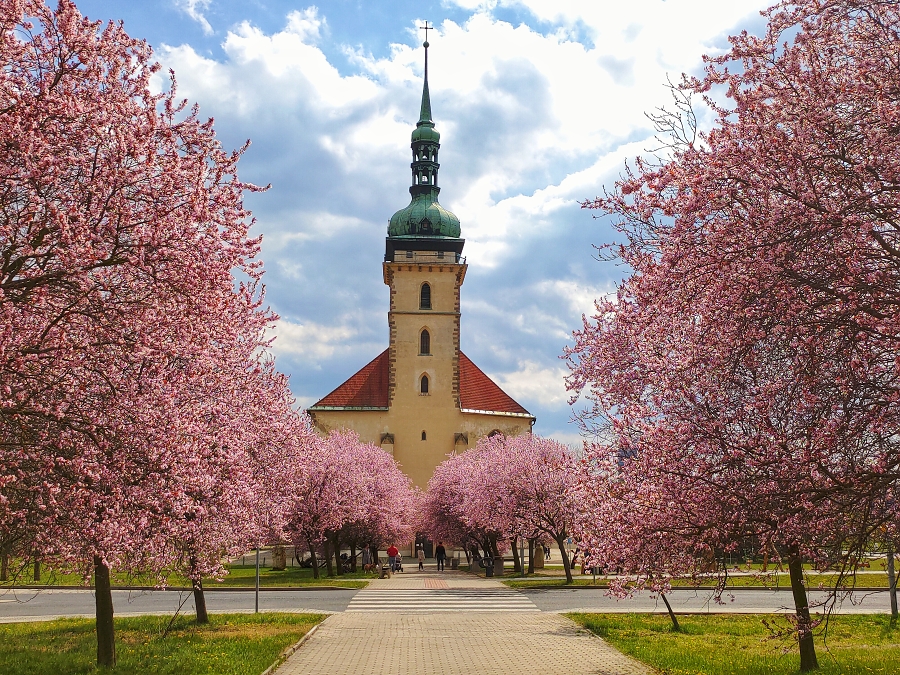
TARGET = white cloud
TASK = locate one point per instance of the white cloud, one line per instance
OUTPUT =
(306, 23)
(536, 383)
(533, 119)
(304, 402)
(195, 9)
(568, 436)
(284, 69)
(311, 340)
(578, 296)
(311, 226)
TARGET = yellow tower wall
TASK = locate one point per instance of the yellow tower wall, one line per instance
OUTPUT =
(419, 458)
(437, 413)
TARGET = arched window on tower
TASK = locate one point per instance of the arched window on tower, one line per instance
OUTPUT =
(423, 385)
(424, 343)
(425, 297)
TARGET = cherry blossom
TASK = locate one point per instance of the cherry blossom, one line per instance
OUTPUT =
(132, 324)
(505, 488)
(744, 380)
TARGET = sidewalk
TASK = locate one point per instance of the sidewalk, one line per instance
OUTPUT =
(492, 643)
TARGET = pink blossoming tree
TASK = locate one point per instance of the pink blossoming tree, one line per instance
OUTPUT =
(129, 355)
(353, 490)
(745, 379)
(505, 488)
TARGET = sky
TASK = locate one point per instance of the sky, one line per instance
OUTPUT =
(539, 104)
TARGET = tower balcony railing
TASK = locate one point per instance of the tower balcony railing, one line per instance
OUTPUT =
(427, 257)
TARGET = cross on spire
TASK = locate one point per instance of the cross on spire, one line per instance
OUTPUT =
(426, 99)
(426, 28)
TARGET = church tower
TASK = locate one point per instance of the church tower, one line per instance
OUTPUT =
(422, 398)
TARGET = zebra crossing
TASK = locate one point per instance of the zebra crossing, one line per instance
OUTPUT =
(439, 601)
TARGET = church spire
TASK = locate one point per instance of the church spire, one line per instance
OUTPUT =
(425, 113)
(424, 217)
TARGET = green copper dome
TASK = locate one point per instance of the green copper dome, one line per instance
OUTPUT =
(424, 216)
(426, 133)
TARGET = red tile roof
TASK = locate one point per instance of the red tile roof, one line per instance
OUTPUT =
(479, 392)
(368, 388)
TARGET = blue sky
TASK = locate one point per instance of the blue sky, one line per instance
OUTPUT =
(539, 103)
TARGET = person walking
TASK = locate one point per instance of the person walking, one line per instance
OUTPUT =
(441, 554)
(366, 559)
(392, 557)
(421, 555)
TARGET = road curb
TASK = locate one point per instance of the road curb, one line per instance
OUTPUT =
(783, 589)
(181, 589)
(288, 651)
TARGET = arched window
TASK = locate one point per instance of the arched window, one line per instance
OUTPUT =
(423, 436)
(423, 384)
(495, 432)
(424, 343)
(425, 297)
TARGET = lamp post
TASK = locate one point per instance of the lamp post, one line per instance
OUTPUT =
(256, 609)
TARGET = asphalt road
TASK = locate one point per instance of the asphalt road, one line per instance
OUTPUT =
(739, 601)
(20, 605)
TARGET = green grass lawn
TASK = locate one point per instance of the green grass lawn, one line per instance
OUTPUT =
(232, 644)
(552, 582)
(878, 580)
(783, 580)
(245, 575)
(239, 576)
(742, 645)
(874, 564)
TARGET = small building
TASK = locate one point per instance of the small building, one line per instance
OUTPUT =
(421, 399)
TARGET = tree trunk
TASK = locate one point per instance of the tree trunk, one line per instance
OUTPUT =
(353, 557)
(517, 564)
(37, 570)
(892, 584)
(329, 563)
(199, 597)
(106, 637)
(531, 556)
(4, 564)
(808, 659)
(279, 558)
(675, 625)
(312, 557)
(200, 602)
(561, 542)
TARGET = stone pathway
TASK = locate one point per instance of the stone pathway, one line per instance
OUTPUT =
(437, 641)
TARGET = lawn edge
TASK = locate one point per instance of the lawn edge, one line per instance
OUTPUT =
(183, 589)
(546, 586)
(650, 669)
(287, 652)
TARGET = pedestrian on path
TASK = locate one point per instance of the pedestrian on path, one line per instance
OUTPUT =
(441, 554)
(392, 557)
(366, 559)
(421, 559)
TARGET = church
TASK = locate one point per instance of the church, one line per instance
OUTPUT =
(422, 399)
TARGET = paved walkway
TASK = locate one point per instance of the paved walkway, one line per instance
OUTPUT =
(431, 639)
(439, 592)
